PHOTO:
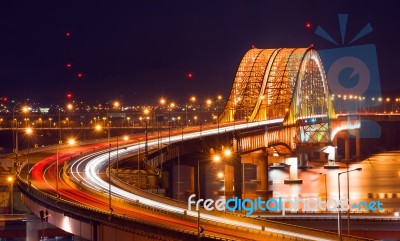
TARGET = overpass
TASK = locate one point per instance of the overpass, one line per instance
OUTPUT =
(279, 110)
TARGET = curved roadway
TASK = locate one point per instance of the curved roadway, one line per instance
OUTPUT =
(88, 170)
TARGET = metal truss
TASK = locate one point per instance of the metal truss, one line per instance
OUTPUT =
(287, 83)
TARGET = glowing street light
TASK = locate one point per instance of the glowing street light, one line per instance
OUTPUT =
(125, 138)
(10, 179)
(162, 101)
(28, 130)
(25, 109)
(98, 128)
(116, 104)
(227, 152)
(216, 158)
(146, 112)
(71, 142)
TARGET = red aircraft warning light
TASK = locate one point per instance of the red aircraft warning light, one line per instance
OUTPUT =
(69, 95)
(308, 25)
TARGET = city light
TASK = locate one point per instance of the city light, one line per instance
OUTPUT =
(216, 158)
(25, 109)
(10, 179)
(98, 127)
(29, 130)
(116, 104)
(125, 138)
(71, 141)
(227, 152)
(220, 175)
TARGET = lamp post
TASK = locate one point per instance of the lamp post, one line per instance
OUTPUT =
(71, 141)
(219, 98)
(10, 179)
(326, 192)
(146, 112)
(192, 99)
(125, 138)
(216, 159)
(339, 207)
(109, 168)
(171, 106)
(28, 131)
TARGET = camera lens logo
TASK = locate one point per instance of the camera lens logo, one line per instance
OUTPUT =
(353, 75)
(359, 69)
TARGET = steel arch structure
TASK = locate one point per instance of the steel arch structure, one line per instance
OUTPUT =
(288, 83)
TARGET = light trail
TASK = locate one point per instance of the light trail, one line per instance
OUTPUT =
(99, 161)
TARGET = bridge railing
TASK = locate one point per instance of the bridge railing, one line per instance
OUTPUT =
(88, 214)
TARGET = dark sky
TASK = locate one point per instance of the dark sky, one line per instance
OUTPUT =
(140, 51)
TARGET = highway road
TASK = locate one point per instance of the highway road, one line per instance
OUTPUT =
(88, 170)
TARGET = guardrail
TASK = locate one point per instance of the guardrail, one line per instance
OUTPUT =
(88, 214)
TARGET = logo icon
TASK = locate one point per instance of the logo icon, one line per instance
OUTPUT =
(353, 75)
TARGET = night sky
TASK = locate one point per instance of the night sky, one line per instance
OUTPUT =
(138, 52)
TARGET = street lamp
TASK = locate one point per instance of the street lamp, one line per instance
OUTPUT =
(326, 192)
(219, 98)
(125, 138)
(339, 207)
(28, 132)
(98, 127)
(192, 99)
(171, 106)
(71, 142)
(10, 179)
(109, 167)
(216, 158)
(146, 113)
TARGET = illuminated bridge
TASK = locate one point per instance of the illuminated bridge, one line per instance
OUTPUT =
(279, 110)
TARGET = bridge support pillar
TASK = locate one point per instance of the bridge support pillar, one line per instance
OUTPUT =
(200, 180)
(303, 160)
(347, 148)
(293, 179)
(358, 147)
(229, 171)
(322, 156)
(262, 171)
(33, 226)
(331, 151)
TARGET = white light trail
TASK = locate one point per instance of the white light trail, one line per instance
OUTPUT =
(99, 161)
